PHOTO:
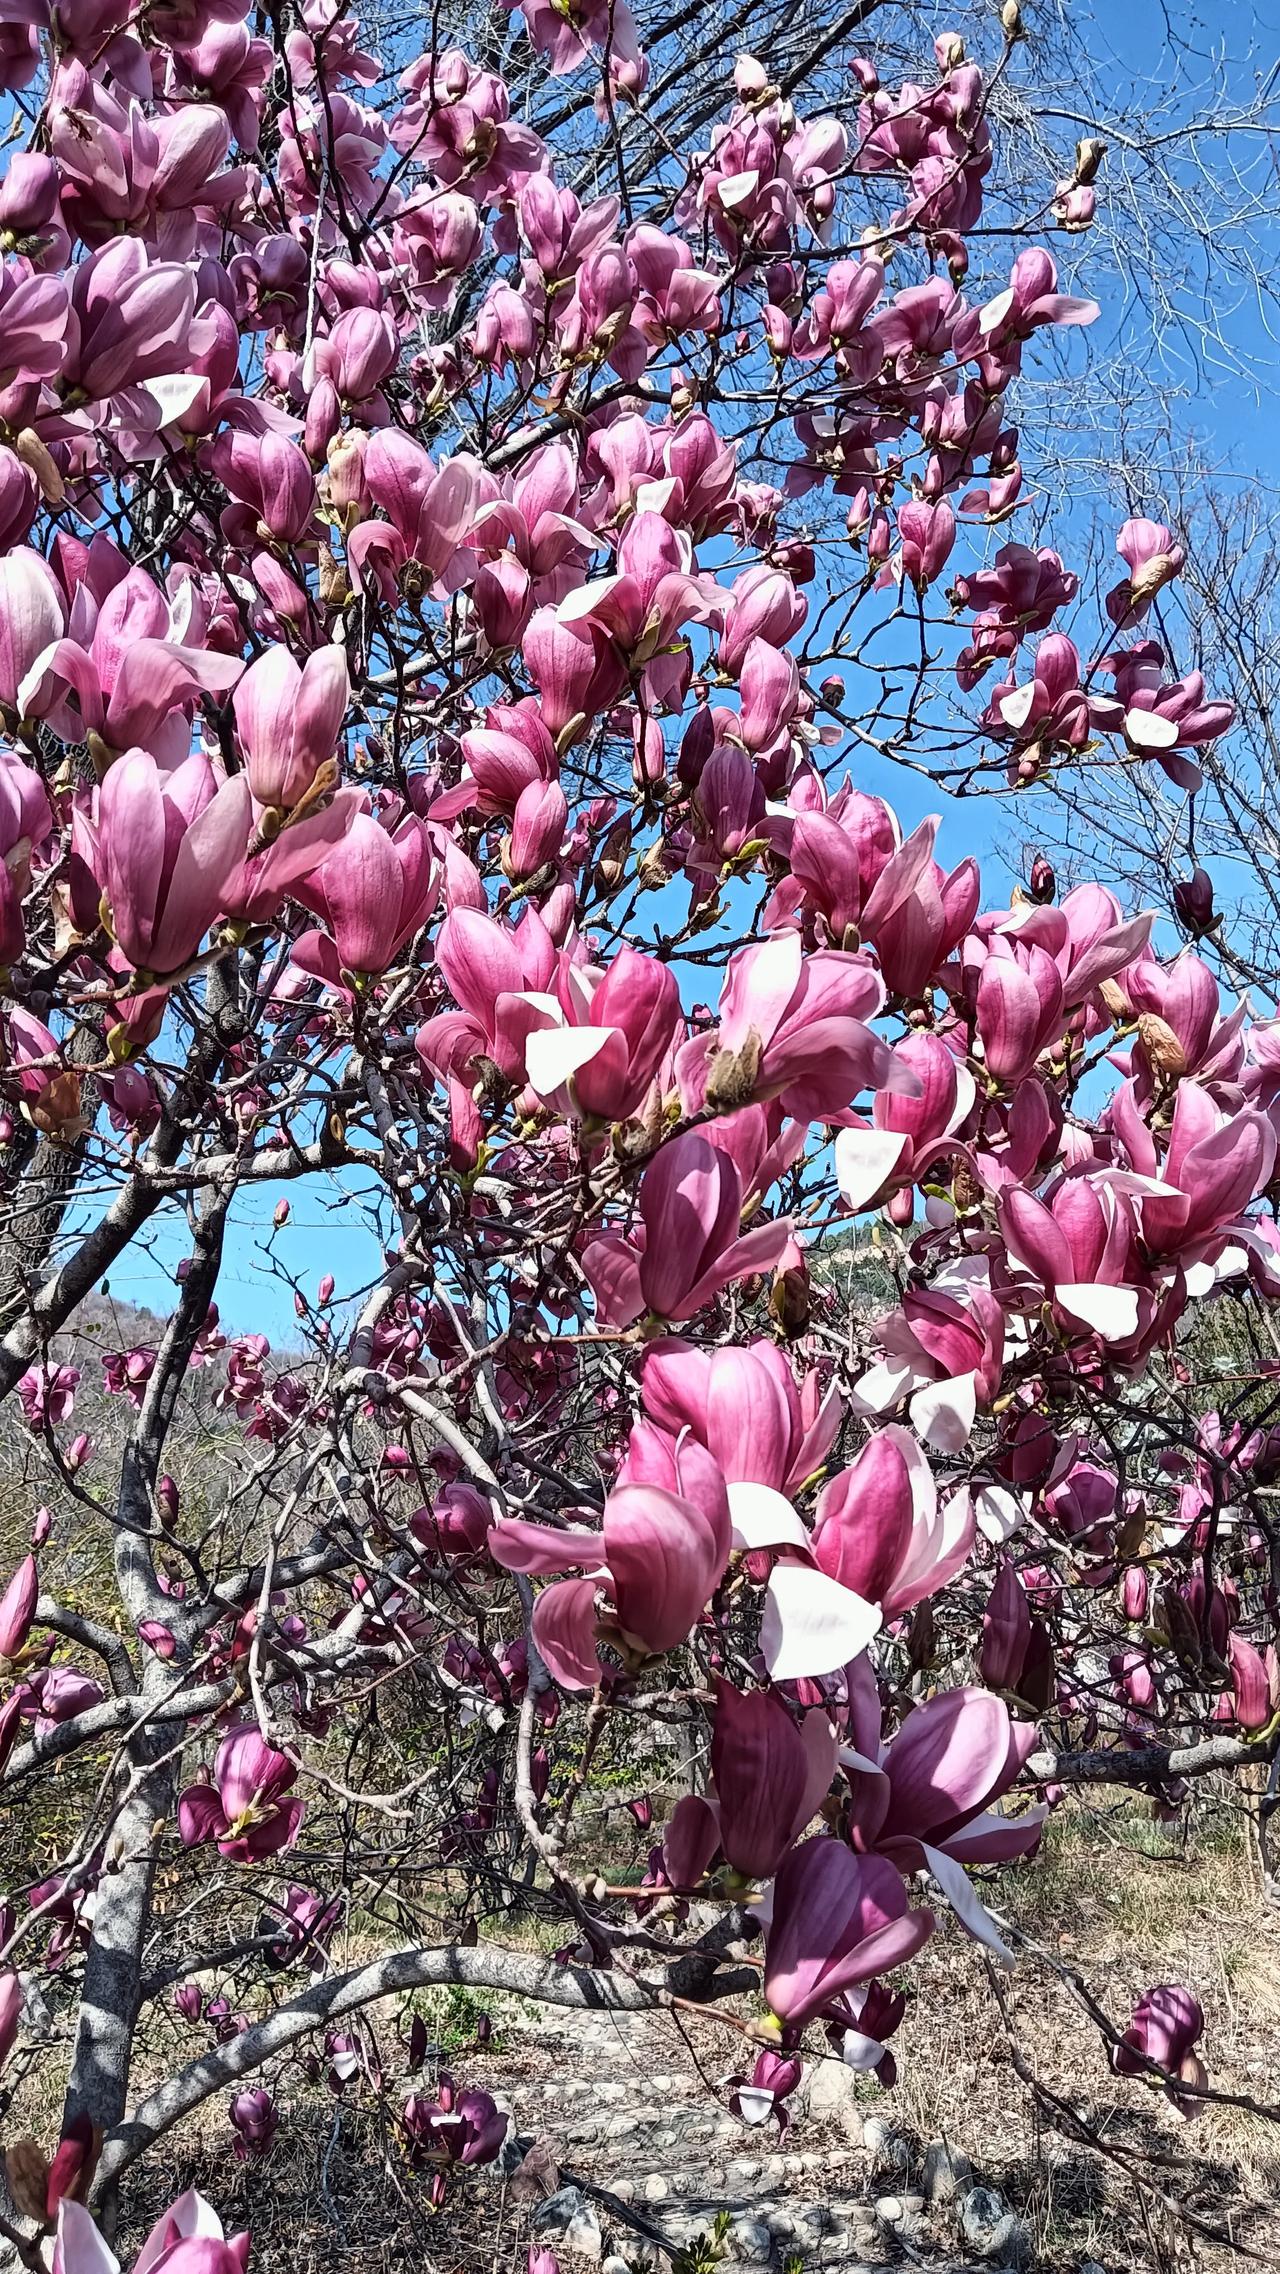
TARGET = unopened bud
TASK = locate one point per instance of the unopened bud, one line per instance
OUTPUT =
(1090, 153)
(281, 1216)
(1193, 902)
(1011, 20)
(1042, 883)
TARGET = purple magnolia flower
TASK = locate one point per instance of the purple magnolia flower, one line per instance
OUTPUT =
(759, 2098)
(47, 1395)
(455, 2127)
(244, 1810)
(302, 1926)
(837, 1920)
(256, 2122)
(18, 1609)
(1166, 2024)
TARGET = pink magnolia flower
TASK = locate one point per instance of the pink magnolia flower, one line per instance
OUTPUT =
(761, 2097)
(915, 915)
(166, 848)
(455, 2127)
(880, 1530)
(653, 594)
(256, 2121)
(793, 1027)
(244, 1810)
(1082, 1248)
(657, 1561)
(1153, 558)
(289, 721)
(564, 42)
(944, 1352)
(18, 1610)
(602, 1036)
(688, 1244)
(1214, 1162)
(770, 1773)
(32, 619)
(53, 1694)
(1166, 2024)
(927, 531)
(125, 676)
(431, 512)
(743, 1404)
(924, 1798)
(837, 1919)
(763, 604)
(1162, 718)
(374, 892)
(186, 2239)
(10, 2011)
(891, 1153)
(47, 1393)
(1030, 300)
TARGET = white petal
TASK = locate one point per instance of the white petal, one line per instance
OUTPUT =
(579, 604)
(1147, 730)
(859, 2052)
(755, 2106)
(993, 315)
(1015, 708)
(1000, 1512)
(175, 393)
(880, 1387)
(735, 189)
(1111, 1312)
(812, 1625)
(942, 1413)
(865, 1160)
(554, 1054)
(763, 1518)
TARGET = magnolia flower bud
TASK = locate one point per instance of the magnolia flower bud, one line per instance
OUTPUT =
(1042, 884)
(281, 1216)
(1134, 1589)
(1090, 153)
(1193, 902)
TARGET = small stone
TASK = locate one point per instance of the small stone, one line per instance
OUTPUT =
(901, 2215)
(743, 2168)
(624, 2189)
(656, 2188)
(567, 2221)
(752, 2240)
(832, 2098)
(990, 2228)
(615, 2265)
(888, 2148)
(947, 2172)
(621, 2127)
(1091, 2266)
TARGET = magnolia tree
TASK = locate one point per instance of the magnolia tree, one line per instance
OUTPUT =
(465, 541)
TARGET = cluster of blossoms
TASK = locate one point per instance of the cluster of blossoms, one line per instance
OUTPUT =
(415, 701)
